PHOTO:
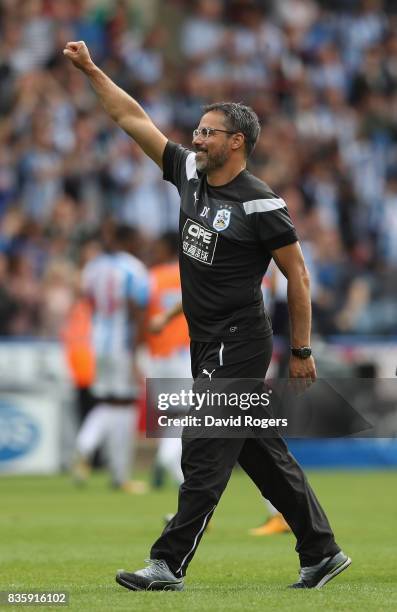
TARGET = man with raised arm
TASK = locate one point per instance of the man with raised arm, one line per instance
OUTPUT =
(231, 226)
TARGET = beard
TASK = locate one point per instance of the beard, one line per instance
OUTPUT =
(206, 162)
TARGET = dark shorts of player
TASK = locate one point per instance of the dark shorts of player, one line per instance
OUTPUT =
(207, 464)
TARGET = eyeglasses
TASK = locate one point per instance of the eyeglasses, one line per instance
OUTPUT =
(205, 132)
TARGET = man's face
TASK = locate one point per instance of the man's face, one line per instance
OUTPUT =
(213, 151)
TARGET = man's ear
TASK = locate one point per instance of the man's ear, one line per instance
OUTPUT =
(237, 140)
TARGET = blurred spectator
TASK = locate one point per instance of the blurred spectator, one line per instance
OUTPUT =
(25, 291)
(57, 297)
(40, 172)
(7, 303)
(387, 243)
(203, 37)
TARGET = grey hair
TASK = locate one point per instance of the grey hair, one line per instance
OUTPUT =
(239, 118)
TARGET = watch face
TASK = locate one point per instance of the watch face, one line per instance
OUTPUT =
(302, 353)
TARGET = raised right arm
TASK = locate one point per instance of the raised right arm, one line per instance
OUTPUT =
(121, 107)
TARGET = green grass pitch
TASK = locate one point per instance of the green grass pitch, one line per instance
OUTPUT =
(56, 537)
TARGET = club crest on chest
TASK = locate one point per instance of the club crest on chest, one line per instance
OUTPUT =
(222, 220)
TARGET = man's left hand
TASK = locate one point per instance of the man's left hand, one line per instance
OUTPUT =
(302, 371)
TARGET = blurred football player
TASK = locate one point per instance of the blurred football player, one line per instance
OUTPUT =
(117, 285)
(168, 343)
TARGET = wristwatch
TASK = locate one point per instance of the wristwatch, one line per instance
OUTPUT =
(303, 352)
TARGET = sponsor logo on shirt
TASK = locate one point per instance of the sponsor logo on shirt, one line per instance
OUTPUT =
(198, 242)
(222, 220)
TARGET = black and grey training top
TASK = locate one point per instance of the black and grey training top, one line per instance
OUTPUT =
(227, 234)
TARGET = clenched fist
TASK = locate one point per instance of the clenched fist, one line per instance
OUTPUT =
(79, 55)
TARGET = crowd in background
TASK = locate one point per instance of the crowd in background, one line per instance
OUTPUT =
(322, 76)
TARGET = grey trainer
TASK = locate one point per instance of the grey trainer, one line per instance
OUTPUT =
(156, 577)
(316, 576)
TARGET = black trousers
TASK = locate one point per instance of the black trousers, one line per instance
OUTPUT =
(207, 464)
